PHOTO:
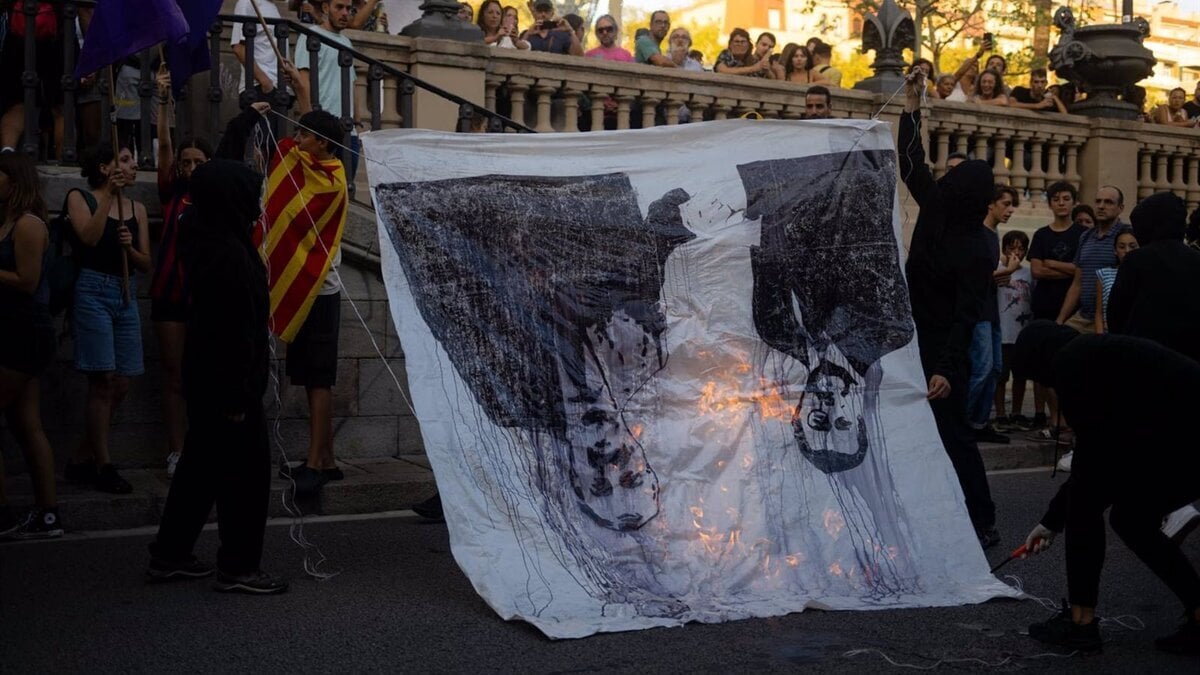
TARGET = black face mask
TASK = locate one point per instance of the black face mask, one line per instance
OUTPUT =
(1161, 216)
(966, 192)
(225, 196)
(1036, 347)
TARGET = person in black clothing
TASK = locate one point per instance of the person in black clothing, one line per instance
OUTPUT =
(949, 270)
(1154, 296)
(1135, 451)
(225, 361)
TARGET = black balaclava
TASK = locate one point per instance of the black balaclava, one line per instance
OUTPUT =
(1160, 217)
(966, 193)
(225, 197)
(1036, 348)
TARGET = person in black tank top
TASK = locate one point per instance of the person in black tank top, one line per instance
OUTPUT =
(26, 340)
(106, 326)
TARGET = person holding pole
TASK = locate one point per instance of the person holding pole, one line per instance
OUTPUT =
(109, 234)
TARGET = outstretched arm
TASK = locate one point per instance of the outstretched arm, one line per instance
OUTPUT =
(913, 169)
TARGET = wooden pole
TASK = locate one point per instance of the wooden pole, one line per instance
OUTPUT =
(112, 119)
(266, 31)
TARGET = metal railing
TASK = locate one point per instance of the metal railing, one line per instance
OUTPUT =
(284, 32)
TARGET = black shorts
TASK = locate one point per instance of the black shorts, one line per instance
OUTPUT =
(27, 341)
(312, 357)
(166, 310)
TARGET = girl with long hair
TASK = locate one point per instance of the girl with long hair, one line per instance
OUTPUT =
(989, 89)
(26, 340)
(795, 65)
(739, 57)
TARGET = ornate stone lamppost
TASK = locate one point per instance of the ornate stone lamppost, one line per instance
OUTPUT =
(889, 32)
(1103, 61)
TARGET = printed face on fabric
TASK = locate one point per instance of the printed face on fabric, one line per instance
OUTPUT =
(664, 389)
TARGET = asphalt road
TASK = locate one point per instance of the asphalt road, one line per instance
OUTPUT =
(401, 604)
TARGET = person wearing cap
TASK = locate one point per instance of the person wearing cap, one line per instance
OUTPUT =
(548, 34)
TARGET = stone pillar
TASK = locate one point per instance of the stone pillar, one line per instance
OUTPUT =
(456, 67)
(1110, 138)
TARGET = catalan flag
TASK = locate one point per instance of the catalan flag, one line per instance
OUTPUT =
(302, 227)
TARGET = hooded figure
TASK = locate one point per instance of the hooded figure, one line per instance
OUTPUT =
(226, 459)
(1154, 295)
(1135, 451)
(949, 273)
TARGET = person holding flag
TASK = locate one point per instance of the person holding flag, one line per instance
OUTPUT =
(300, 238)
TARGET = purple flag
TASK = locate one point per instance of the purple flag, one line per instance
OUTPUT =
(190, 56)
(120, 28)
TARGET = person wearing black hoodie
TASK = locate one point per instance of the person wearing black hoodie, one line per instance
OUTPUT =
(1154, 295)
(1135, 452)
(225, 362)
(949, 272)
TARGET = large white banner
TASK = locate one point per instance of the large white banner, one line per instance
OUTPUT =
(671, 375)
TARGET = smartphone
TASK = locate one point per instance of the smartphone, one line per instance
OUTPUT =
(987, 39)
(549, 24)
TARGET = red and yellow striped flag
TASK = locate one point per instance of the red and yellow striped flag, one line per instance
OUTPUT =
(304, 218)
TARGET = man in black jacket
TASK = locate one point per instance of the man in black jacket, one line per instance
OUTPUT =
(1135, 451)
(949, 270)
(225, 363)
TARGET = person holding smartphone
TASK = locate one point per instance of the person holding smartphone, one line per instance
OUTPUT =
(550, 34)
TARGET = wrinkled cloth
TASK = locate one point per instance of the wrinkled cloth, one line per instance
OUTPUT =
(1155, 293)
(226, 354)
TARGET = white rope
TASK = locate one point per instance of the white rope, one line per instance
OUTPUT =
(969, 659)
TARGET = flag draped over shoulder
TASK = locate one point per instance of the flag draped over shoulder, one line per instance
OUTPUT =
(120, 28)
(303, 220)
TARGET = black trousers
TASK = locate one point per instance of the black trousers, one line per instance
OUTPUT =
(1139, 504)
(224, 463)
(958, 437)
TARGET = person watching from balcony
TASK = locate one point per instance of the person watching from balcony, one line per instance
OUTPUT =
(739, 57)
(945, 87)
(551, 35)
(577, 25)
(306, 11)
(647, 47)
(465, 13)
(607, 32)
(265, 62)
(680, 44)
(968, 73)
(999, 64)
(48, 54)
(1136, 96)
(1036, 96)
(1192, 107)
(498, 30)
(822, 54)
(796, 66)
(817, 103)
(697, 56)
(370, 16)
(1172, 113)
(928, 68)
(989, 89)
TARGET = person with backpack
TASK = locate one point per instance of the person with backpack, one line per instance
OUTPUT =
(26, 340)
(45, 30)
(106, 327)
(168, 292)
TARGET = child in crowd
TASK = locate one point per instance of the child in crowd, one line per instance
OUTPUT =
(1014, 296)
(1105, 277)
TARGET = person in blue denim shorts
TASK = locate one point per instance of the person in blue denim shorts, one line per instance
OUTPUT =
(106, 326)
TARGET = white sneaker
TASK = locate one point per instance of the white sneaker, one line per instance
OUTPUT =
(1064, 463)
(1178, 524)
(172, 462)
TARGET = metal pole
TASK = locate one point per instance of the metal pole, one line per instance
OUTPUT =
(29, 79)
(69, 84)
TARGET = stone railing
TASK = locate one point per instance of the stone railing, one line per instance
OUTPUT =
(1169, 159)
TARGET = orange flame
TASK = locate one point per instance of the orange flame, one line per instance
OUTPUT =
(835, 569)
(834, 523)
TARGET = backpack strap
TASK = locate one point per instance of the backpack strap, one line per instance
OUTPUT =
(64, 217)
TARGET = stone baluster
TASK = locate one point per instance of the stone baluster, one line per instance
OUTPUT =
(491, 82)
(721, 108)
(650, 101)
(600, 95)
(1037, 174)
(1193, 181)
(1019, 174)
(625, 98)
(771, 111)
(671, 108)
(983, 140)
(1000, 149)
(963, 139)
(1161, 181)
(1178, 185)
(571, 93)
(517, 87)
(698, 106)
(544, 91)
(1145, 179)
(792, 112)
(1072, 149)
(1053, 167)
(942, 142)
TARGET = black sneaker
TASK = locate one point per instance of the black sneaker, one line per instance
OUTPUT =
(8, 522)
(1020, 423)
(39, 523)
(1186, 640)
(166, 570)
(430, 509)
(1039, 421)
(308, 481)
(252, 583)
(1003, 423)
(108, 480)
(83, 473)
(990, 435)
(1061, 631)
(988, 537)
(333, 474)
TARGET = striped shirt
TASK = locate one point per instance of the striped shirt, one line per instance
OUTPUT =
(1095, 252)
(1107, 276)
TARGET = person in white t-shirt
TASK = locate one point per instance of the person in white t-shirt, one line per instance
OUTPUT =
(266, 65)
(1014, 297)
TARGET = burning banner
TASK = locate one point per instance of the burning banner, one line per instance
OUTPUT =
(670, 375)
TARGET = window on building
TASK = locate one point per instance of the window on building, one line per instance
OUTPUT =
(775, 19)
